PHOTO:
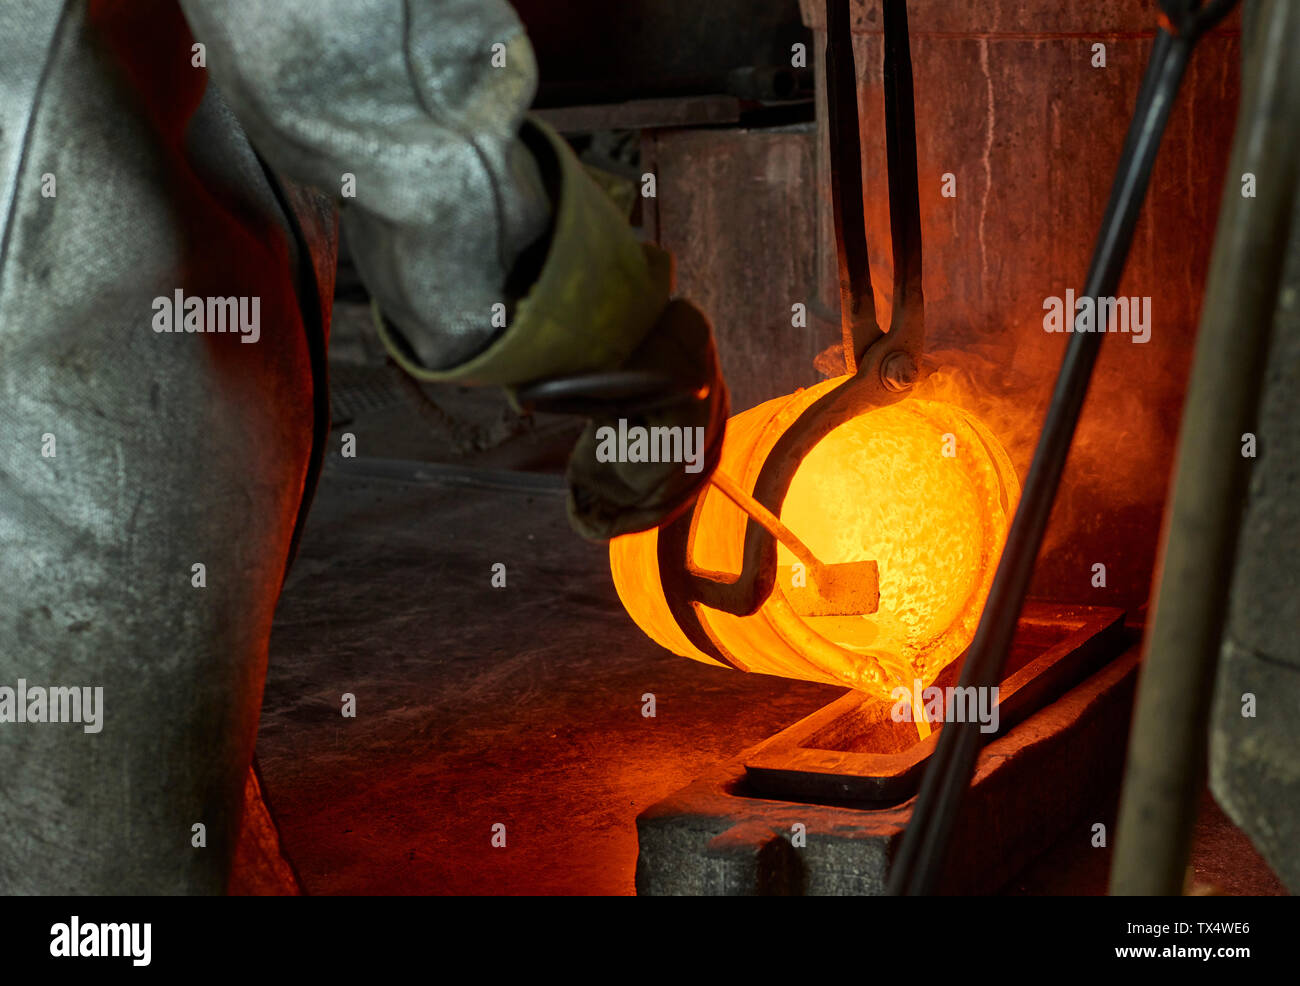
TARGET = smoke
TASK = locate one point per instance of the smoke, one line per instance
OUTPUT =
(1109, 503)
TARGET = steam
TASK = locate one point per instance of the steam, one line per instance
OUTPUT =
(1118, 469)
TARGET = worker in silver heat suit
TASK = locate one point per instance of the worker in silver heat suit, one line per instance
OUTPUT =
(152, 481)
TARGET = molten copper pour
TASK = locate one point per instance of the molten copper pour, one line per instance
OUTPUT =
(921, 487)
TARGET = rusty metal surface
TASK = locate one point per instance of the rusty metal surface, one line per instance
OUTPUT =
(716, 836)
(1017, 19)
(738, 210)
(822, 759)
(1010, 105)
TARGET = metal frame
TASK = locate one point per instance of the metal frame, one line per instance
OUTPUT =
(885, 364)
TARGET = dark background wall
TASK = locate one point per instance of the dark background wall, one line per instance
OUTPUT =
(592, 48)
(1010, 103)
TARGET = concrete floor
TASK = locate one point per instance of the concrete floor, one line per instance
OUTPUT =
(518, 705)
(476, 705)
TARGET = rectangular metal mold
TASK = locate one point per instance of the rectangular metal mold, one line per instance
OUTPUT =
(853, 753)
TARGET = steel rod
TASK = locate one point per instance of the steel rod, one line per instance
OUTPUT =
(769, 522)
(1167, 750)
(907, 305)
(858, 323)
(919, 864)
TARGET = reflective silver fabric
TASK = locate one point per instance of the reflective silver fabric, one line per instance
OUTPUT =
(421, 102)
(128, 457)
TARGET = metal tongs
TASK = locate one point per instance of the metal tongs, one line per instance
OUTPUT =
(884, 365)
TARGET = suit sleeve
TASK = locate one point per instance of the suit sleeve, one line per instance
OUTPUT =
(490, 254)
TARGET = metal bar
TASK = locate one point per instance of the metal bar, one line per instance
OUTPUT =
(917, 868)
(907, 315)
(858, 324)
(769, 521)
(644, 114)
(1167, 749)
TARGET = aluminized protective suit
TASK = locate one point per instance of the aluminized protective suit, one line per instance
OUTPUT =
(151, 482)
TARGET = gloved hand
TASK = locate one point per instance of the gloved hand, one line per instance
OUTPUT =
(656, 429)
(596, 334)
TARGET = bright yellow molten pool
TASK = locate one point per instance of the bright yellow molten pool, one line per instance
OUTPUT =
(921, 487)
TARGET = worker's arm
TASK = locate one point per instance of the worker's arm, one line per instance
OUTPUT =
(491, 254)
(396, 111)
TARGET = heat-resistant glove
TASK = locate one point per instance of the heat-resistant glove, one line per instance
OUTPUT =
(599, 304)
(655, 432)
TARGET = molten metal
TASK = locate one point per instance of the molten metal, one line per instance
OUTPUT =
(921, 487)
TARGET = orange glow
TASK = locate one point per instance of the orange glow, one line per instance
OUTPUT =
(921, 487)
